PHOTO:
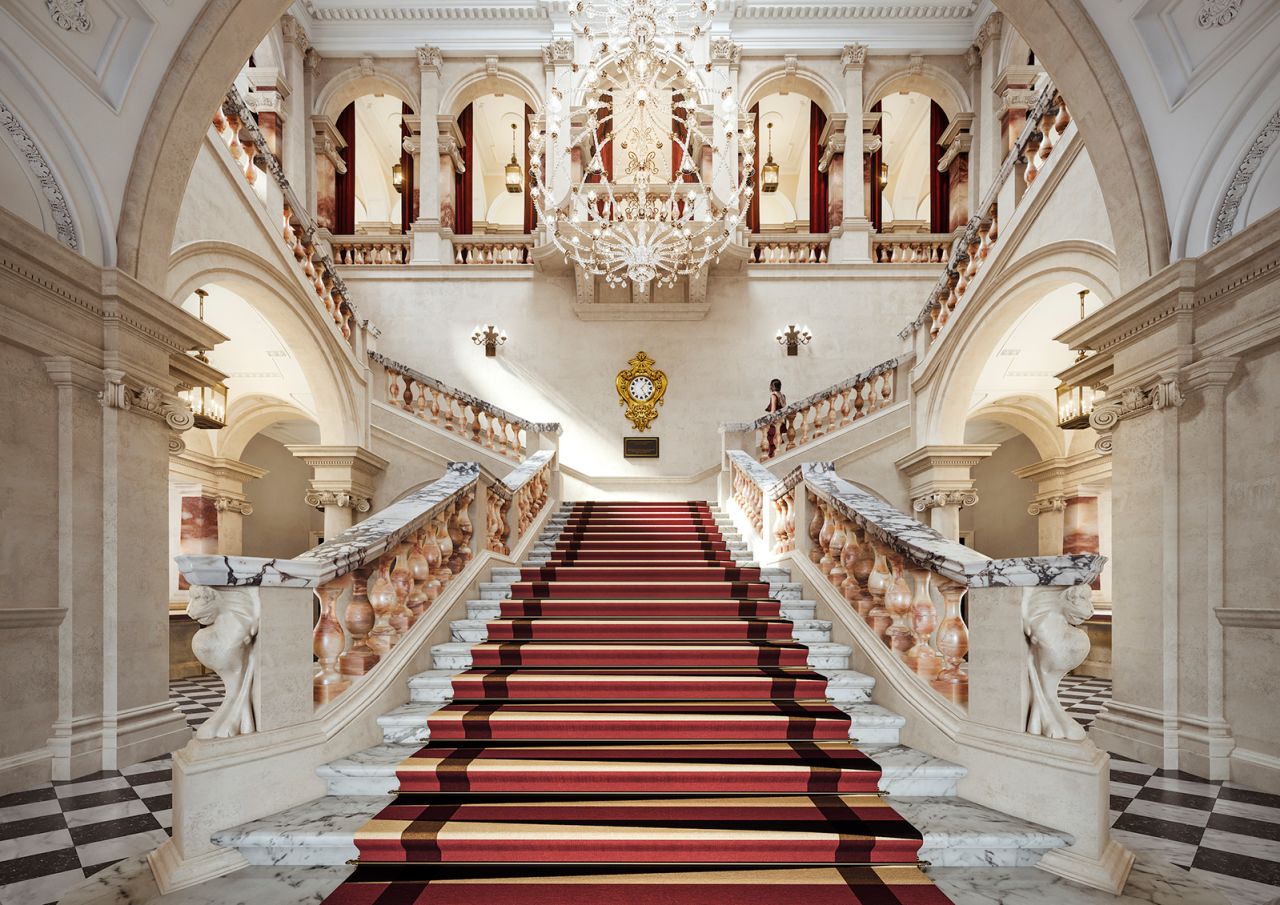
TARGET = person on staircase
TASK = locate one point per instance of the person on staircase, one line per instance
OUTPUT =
(777, 402)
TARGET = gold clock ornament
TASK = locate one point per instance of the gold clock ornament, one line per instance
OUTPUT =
(641, 388)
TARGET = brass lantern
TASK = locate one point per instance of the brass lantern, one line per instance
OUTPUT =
(514, 177)
(397, 178)
(770, 171)
(1076, 401)
(208, 404)
(884, 175)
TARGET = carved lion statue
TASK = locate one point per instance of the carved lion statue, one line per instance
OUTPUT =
(1056, 645)
(227, 646)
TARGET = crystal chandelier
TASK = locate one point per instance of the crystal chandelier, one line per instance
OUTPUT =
(663, 175)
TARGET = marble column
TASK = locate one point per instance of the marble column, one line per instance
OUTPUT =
(328, 142)
(1047, 511)
(294, 151)
(854, 242)
(428, 180)
(956, 142)
(342, 484)
(942, 483)
(267, 100)
(1013, 87)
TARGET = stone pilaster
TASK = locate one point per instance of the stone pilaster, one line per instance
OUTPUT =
(342, 483)
(853, 242)
(327, 142)
(990, 155)
(942, 482)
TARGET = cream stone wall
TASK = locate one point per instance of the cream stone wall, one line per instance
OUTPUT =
(556, 367)
(281, 523)
(999, 521)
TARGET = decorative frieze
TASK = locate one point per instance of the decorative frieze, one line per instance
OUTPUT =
(1215, 13)
(51, 190)
(1225, 221)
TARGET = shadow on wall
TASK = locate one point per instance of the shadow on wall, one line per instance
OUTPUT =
(282, 524)
(999, 521)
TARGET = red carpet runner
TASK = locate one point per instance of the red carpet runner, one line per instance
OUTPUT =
(639, 729)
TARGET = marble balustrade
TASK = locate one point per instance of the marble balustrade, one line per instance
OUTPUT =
(1044, 132)
(908, 583)
(788, 249)
(824, 412)
(373, 584)
(351, 251)
(933, 248)
(456, 411)
(236, 127)
(492, 249)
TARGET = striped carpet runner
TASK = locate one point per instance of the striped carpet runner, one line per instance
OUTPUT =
(638, 729)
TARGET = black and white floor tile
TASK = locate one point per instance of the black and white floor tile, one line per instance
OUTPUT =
(54, 836)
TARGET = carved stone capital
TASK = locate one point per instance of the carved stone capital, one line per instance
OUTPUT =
(232, 504)
(560, 50)
(871, 142)
(430, 59)
(1052, 504)
(725, 52)
(1131, 402)
(939, 498)
(790, 64)
(294, 33)
(148, 401)
(990, 31)
(853, 56)
(340, 499)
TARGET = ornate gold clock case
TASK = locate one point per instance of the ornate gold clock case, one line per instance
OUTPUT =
(641, 388)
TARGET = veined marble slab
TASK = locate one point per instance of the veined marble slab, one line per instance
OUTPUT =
(959, 833)
(522, 473)
(130, 882)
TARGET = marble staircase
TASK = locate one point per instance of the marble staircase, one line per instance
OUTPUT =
(923, 788)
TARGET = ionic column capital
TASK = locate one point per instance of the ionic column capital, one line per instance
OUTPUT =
(938, 498)
(233, 504)
(1050, 504)
(340, 499)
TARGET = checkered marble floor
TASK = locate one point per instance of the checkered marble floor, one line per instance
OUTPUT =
(54, 836)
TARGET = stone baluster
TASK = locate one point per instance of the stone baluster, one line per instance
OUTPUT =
(420, 568)
(382, 597)
(897, 601)
(817, 507)
(358, 618)
(402, 581)
(878, 585)
(327, 644)
(952, 637)
(444, 574)
(923, 657)
(824, 539)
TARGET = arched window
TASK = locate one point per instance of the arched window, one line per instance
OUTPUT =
(790, 129)
(375, 195)
(913, 196)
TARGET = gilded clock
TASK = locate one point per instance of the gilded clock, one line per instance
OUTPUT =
(640, 389)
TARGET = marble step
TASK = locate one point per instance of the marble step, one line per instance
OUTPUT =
(795, 610)
(808, 631)
(844, 686)
(823, 655)
(957, 833)
(407, 724)
(906, 772)
(495, 590)
(871, 724)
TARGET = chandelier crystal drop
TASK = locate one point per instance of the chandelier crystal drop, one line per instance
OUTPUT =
(640, 170)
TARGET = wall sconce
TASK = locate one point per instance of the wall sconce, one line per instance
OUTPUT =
(514, 177)
(490, 337)
(397, 178)
(769, 172)
(794, 338)
(884, 175)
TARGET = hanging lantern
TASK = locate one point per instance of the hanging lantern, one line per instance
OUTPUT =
(515, 176)
(769, 173)
(397, 178)
(884, 175)
(208, 404)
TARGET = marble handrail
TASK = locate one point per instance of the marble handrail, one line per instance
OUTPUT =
(823, 412)
(454, 410)
(522, 494)
(1045, 127)
(298, 231)
(931, 248)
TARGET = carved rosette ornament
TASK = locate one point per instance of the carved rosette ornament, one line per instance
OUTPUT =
(940, 498)
(1216, 13)
(69, 15)
(340, 499)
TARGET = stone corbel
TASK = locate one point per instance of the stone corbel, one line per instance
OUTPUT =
(957, 139)
(449, 141)
(870, 140)
(148, 401)
(938, 498)
(293, 32)
(329, 141)
(989, 32)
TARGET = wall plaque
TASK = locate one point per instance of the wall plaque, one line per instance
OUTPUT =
(640, 447)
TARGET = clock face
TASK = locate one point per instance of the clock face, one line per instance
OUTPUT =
(641, 389)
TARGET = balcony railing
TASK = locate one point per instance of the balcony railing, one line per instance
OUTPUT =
(934, 248)
(492, 249)
(798, 248)
(370, 250)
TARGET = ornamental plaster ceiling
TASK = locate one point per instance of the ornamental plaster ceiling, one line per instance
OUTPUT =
(520, 27)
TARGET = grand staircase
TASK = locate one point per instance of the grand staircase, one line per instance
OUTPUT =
(640, 715)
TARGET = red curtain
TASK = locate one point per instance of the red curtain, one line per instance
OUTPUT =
(753, 212)
(939, 183)
(818, 214)
(530, 212)
(344, 211)
(408, 212)
(462, 181)
(874, 192)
